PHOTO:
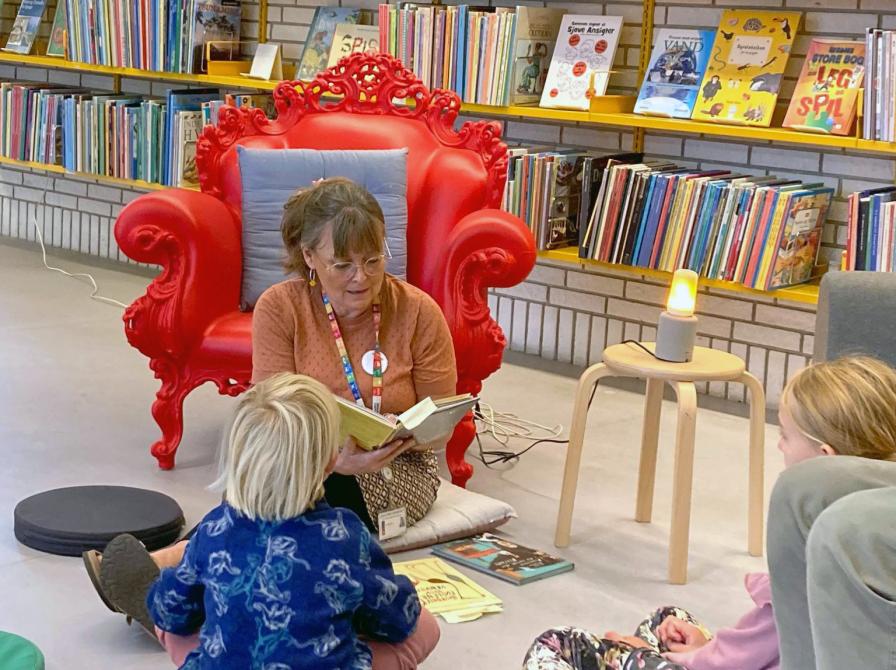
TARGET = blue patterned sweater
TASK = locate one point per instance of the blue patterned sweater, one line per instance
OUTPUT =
(284, 595)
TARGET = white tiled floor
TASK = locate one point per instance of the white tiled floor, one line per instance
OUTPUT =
(74, 409)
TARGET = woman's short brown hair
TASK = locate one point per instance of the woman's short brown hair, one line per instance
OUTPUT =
(356, 217)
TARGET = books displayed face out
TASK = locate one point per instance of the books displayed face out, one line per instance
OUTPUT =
(503, 559)
(762, 232)
(25, 27)
(428, 421)
(536, 34)
(677, 65)
(744, 74)
(583, 58)
(446, 592)
(316, 52)
(351, 38)
(824, 100)
(56, 45)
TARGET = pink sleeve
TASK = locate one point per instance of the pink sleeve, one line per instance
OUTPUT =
(752, 644)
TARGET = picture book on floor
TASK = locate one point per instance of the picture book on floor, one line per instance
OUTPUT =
(536, 34)
(677, 65)
(428, 421)
(446, 592)
(582, 61)
(503, 559)
(25, 27)
(320, 38)
(745, 69)
(825, 97)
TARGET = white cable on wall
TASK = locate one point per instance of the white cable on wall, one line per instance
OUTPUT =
(80, 276)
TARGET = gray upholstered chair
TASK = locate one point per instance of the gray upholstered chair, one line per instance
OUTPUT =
(856, 314)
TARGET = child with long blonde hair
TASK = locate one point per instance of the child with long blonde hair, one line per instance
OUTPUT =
(276, 578)
(844, 407)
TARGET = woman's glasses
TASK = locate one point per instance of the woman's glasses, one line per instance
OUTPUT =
(346, 270)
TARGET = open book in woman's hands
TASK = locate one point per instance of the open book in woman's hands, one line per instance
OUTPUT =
(428, 421)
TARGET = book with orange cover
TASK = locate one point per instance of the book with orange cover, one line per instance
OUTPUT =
(824, 100)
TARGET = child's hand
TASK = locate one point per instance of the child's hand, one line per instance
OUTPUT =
(680, 636)
(632, 641)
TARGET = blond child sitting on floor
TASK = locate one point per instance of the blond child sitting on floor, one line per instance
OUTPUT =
(842, 407)
(276, 578)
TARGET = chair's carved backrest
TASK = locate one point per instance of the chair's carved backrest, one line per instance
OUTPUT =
(361, 104)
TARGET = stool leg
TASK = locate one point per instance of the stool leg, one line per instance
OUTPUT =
(587, 381)
(681, 488)
(757, 463)
(653, 403)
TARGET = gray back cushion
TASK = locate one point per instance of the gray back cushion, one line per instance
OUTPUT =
(856, 315)
(271, 176)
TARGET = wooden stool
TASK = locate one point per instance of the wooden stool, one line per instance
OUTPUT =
(629, 360)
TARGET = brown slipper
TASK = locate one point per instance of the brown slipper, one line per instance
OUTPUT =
(126, 573)
(92, 562)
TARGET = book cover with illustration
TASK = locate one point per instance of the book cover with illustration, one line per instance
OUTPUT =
(824, 100)
(446, 592)
(214, 21)
(582, 60)
(746, 66)
(677, 65)
(503, 559)
(536, 34)
(320, 38)
(25, 27)
(56, 46)
(189, 128)
(565, 192)
(351, 38)
(797, 253)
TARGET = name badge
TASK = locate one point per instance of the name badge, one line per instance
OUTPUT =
(392, 523)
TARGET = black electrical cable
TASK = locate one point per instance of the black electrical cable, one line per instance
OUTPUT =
(508, 456)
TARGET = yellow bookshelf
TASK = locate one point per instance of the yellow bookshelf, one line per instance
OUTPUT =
(58, 169)
(804, 293)
(204, 79)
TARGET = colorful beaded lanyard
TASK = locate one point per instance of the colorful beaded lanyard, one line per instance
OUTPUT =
(347, 368)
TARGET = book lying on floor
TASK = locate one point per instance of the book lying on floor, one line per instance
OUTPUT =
(446, 592)
(427, 421)
(503, 559)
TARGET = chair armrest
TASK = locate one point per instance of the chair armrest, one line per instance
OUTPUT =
(196, 239)
(488, 248)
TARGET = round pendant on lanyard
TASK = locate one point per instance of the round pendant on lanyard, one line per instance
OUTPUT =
(367, 362)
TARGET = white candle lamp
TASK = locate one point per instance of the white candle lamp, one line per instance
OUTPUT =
(677, 328)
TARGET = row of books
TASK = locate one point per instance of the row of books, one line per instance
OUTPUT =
(503, 56)
(871, 230)
(762, 232)
(163, 35)
(124, 136)
(879, 103)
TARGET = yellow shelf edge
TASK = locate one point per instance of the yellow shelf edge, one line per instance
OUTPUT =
(105, 179)
(85, 68)
(804, 293)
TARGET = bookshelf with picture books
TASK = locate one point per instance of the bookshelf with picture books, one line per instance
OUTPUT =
(512, 88)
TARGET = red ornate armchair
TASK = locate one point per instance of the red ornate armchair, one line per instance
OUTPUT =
(459, 243)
